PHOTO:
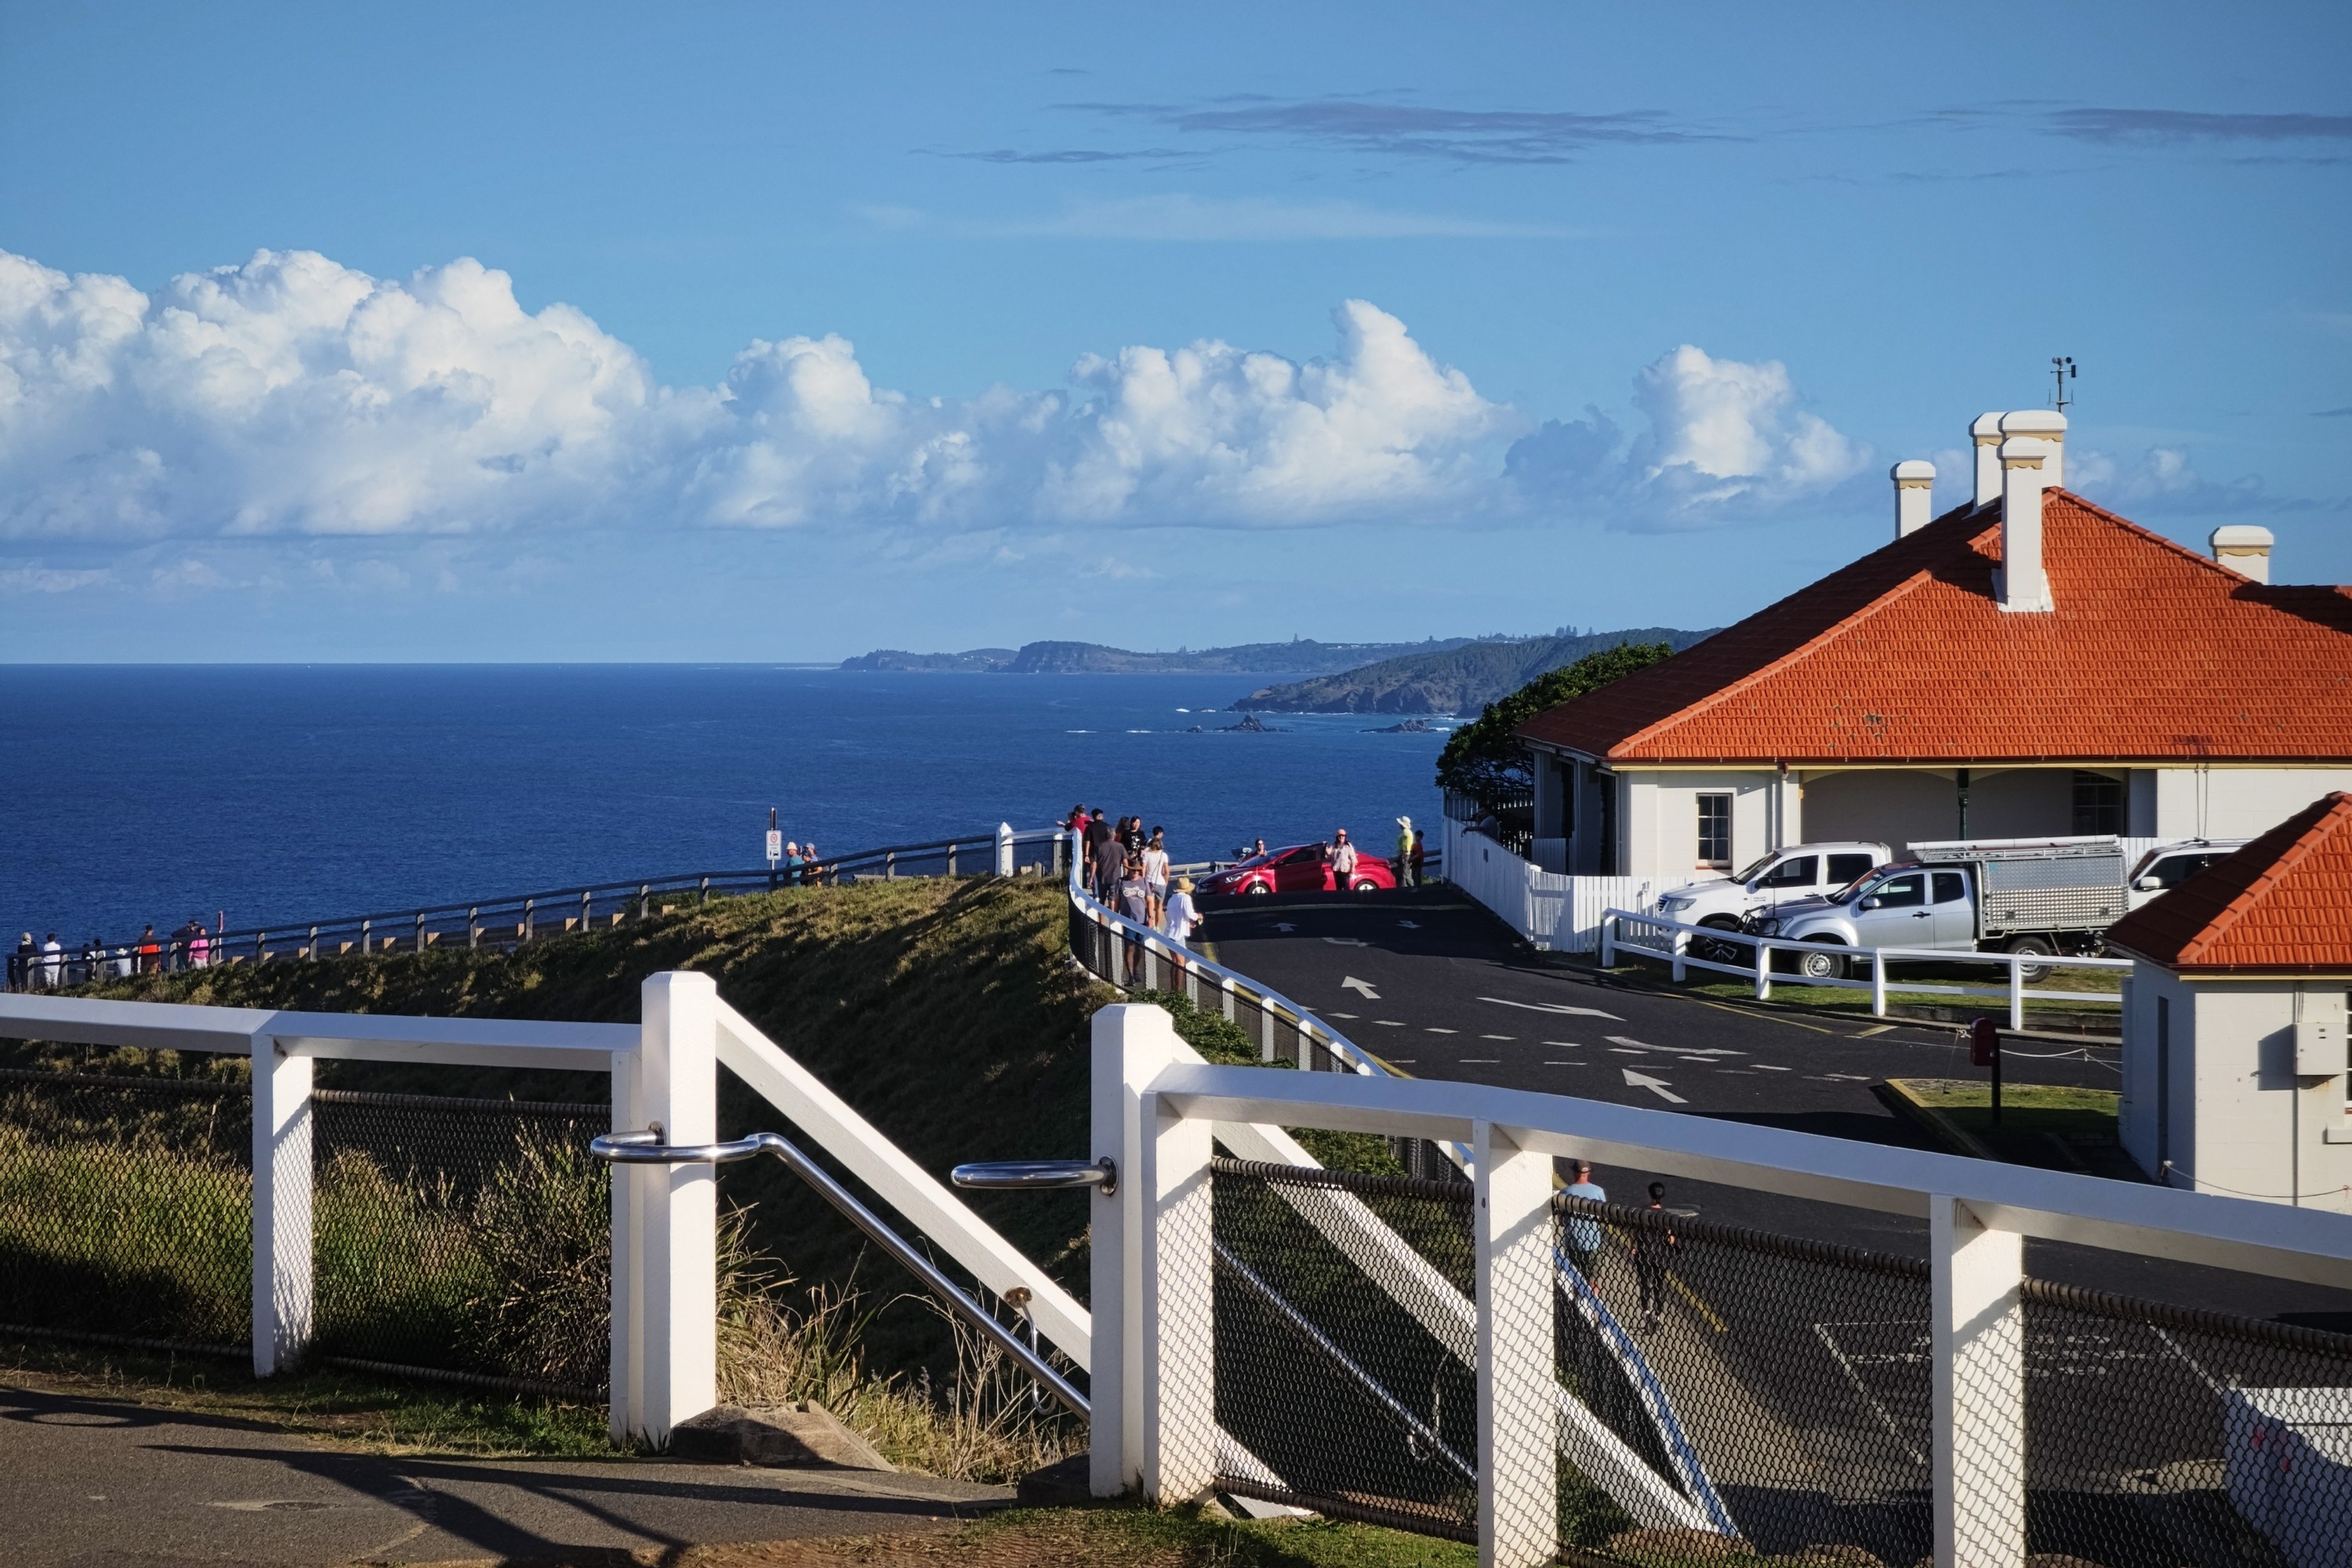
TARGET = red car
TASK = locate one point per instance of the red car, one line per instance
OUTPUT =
(1302, 868)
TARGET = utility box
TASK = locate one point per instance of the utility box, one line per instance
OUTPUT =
(2319, 1047)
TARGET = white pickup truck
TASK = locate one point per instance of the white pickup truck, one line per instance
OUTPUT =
(1788, 874)
(2168, 866)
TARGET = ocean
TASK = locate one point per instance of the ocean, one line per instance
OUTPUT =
(280, 794)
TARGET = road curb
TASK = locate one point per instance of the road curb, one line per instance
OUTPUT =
(1897, 1095)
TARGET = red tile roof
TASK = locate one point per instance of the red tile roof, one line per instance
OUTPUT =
(2282, 905)
(2152, 652)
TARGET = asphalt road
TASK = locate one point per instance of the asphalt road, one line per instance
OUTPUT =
(1437, 987)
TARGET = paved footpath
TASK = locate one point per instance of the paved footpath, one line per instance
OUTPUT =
(1438, 987)
(89, 1480)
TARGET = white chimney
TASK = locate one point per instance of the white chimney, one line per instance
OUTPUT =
(1915, 495)
(2245, 548)
(2043, 424)
(2023, 583)
(1986, 434)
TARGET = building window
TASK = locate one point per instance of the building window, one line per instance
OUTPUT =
(2098, 803)
(1714, 831)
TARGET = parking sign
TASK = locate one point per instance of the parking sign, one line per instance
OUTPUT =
(775, 845)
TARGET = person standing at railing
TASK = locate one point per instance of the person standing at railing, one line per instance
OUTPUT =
(150, 951)
(1102, 854)
(20, 964)
(93, 960)
(1404, 867)
(200, 946)
(1134, 902)
(53, 962)
(793, 863)
(1178, 922)
(1420, 856)
(1583, 1233)
(1155, 877)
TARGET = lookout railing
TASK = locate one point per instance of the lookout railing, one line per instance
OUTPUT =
(513, 919)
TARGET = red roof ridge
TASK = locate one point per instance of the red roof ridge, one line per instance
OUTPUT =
(2339, 812)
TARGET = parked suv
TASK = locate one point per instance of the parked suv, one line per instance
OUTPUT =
(1792, 872)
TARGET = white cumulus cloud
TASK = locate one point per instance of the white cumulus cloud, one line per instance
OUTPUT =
(293, 396)
(1726, 440)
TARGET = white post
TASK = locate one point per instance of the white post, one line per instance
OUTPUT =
(667, 1292)
(1681, 940)
(1608, 939)
(281, 1207)
(1518, 1404)
(1004, 849)
(2016, 994)
(1180, 1404)
(1878, 982)
(1763, 970)
(1978, 1356)
(1131, 1043)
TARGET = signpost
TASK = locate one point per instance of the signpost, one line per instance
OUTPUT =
(775, 846)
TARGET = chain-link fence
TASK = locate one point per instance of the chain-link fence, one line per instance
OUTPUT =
(466, 1237)
(1738, 1382)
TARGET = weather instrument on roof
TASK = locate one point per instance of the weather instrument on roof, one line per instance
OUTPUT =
(2061, 370)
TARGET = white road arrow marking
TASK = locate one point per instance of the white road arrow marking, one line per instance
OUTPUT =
(1409, 925)
(1285, 927)
(1362, 988)
(1643, 1080)
(1642, 1045)
(1553, 1008)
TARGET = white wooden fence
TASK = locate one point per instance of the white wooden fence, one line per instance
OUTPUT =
(1553, 912)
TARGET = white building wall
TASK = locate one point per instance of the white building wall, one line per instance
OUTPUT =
(2235, 803)
(1660, 819)
(2243, 1123)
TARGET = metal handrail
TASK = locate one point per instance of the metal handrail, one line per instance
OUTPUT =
(1035, 1175)
(646, 1147)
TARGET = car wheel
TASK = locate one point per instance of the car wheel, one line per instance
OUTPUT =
(1822, 965)
(2038, 946)
(1713, 948)
(1367, 886)
(1257, 890)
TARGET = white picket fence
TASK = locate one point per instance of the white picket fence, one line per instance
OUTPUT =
(1554, 913)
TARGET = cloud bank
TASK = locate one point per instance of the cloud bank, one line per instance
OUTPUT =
(291, 395)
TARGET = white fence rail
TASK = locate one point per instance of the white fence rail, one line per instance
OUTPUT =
(1154, 1405)
(1554, 913)
(1670, 942)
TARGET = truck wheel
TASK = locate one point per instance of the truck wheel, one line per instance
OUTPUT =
(2040, 947)
(1822, 965)
(1714, 950)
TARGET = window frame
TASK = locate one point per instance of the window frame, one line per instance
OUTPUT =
(1715, 802)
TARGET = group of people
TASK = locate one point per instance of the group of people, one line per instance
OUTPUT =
(49, 965)
(1651, 1247)
(1127, 868)
(801, 868)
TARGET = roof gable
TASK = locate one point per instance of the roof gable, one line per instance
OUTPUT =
(1906, 656)
(2283, 904)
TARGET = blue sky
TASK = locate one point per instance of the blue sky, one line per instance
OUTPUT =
(764, 332)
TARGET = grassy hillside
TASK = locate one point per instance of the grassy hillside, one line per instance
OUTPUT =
(1457, 681)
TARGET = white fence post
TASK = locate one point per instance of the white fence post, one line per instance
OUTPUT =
(1131, 1043)
(1179, 1404)
(2017, 992)
(281, 1207)
(1763, 970)
(1877, 982)
(1518, 1407)
(666, 1286)
(1608, 939)
(1979, 1355)
(1004, 849)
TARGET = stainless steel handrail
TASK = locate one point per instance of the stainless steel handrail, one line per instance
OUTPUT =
(646, 1147)
(1032, 1175)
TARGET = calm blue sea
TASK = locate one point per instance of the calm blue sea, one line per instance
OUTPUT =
(282, 793)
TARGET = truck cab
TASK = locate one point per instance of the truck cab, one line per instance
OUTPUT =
(1786, 875)
(2168, 866)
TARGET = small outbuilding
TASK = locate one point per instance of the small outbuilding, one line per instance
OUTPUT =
(2235, 1060)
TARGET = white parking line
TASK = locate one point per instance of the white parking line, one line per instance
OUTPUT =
(1553, 1007)
(1767, 1067)
(1627, 1051)
(1498, 1036)
(1389, 1022)
(1567, 1064)
(1435, 1030)
(1481, 1061)
(1565, 1044)
(1342, 1015)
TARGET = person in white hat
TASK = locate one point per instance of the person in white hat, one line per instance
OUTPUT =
(1404, 852)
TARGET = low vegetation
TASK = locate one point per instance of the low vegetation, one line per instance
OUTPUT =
(1485, 760)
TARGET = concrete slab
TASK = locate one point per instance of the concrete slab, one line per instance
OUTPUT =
(88, 1481)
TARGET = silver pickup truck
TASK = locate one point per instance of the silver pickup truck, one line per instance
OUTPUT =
(2038, 896)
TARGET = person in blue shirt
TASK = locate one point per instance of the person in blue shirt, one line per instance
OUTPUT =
(1584, 1234)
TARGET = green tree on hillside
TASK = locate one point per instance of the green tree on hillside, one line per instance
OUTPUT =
(1483, 760)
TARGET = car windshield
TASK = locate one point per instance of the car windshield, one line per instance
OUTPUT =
(1866, 884)
(1756, 870)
